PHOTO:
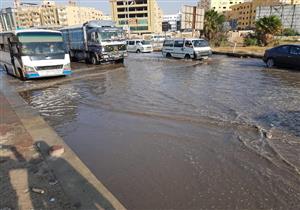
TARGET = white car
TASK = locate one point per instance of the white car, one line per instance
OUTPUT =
(186, 48)
(139, 46)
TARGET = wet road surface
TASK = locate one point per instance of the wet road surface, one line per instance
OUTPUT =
(173, 134)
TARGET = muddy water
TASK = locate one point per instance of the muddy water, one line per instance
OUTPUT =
(172, 134)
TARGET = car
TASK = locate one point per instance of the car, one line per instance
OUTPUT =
(139, 45)
(186, 48)
(283, 56)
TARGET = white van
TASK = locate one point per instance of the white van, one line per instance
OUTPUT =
(186, 48)
(139, 46)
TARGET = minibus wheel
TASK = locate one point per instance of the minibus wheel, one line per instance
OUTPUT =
(187, 57)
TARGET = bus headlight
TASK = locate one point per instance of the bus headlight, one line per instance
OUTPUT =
(67, 66)
(29, 69)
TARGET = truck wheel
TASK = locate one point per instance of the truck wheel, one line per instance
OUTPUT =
(94, 60)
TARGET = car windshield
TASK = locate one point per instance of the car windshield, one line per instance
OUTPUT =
(111, 35)
(146, 43)
(200, 43)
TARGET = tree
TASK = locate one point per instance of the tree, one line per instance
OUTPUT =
(213, 25)
(267, 28)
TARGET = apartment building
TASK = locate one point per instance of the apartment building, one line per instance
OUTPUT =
(242, 16)
(173, 21)
(8, 19)
(140, 16)
(48, 14)
(221, 6)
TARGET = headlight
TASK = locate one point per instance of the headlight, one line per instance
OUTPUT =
(29, 69)
(67, 66)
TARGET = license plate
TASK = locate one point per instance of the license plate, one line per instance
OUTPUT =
(50, 72)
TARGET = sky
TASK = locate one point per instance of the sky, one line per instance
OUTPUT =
(168, 6)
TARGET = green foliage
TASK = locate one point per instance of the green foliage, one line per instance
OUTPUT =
(213, 26)
(250, 41)
(289, 32)
(267, 27)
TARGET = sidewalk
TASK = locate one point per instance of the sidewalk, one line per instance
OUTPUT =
(29, 177)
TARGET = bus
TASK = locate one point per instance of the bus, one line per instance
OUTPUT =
(34, 53)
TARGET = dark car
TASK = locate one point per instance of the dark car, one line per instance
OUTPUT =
(284, 55)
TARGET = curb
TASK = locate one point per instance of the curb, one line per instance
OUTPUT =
(75, 183)
(231, 54)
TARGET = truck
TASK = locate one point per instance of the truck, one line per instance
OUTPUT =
(96, 42)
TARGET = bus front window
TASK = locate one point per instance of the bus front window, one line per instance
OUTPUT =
(33, 48)
(41, 43)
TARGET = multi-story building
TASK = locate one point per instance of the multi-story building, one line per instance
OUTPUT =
(220, 6)
(140, 16)
(8, 19)
(173, 21)
(48, 14)
(242, 16)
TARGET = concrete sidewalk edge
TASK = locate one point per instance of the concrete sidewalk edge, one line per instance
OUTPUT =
(39, 129)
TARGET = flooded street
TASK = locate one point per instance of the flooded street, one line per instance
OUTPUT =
(173, 134)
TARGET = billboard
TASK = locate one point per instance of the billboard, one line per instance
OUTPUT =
(192, 18)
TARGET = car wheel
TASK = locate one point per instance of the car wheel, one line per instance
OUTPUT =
(270, 63)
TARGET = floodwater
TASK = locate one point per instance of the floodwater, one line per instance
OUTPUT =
(172, 134)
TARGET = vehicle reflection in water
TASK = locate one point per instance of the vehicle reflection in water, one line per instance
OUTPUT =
(164, 134)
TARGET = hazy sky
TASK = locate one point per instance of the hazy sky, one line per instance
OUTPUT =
(168, 6)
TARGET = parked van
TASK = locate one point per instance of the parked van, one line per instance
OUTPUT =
(186, 48)
(139, 46)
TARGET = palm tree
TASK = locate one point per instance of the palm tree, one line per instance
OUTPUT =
(213, 24)
(267, 27)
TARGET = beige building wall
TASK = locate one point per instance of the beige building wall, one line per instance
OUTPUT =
(141, 16)
(244, 14)
(28, 16)
(49, 14)
(221, 6)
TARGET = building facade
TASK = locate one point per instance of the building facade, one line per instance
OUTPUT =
(173, 21)
(221, 6)
(8, 19)
(139, 16)
(243, 16)
(47, 15)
